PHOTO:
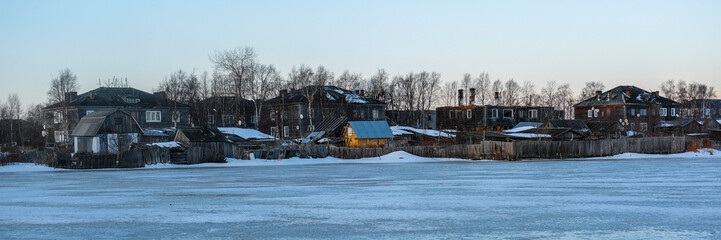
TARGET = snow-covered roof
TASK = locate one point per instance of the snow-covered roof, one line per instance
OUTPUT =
(528, 135)
(427, 132)
(246, 133)
(518, 129)
(166, 144)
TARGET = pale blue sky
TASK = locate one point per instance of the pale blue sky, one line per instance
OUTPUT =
(617, 42)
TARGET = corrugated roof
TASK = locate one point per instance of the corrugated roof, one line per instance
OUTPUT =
(371, 129)
(117, 97)
(89, 125)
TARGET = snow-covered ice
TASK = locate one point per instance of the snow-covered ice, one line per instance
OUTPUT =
(629, 196)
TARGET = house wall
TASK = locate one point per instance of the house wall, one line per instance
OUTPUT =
(632, 113)
(351, 140)
(483, 118)
(288, 115)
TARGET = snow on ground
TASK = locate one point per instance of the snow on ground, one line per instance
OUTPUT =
(706, 153)
(26, 167)
(245, 133)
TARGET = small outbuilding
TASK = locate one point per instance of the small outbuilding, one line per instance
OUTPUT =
(367, 133)
(110, 131)
(206, 144)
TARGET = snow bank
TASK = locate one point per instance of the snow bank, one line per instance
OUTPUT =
(394, 157)
(27, 167)
(705, 153)
(518, 129)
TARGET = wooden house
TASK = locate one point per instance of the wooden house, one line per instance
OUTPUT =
(225, 111)
(680, 127)
(711, 124)
(288, 116)
(367, 134)
(151, 111)
(106, 132)
(701, 108)
(205, 144)
(638, 109)
(493, 117)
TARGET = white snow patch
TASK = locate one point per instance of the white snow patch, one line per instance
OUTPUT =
(529, 135)
(330, 97)
(706, 152)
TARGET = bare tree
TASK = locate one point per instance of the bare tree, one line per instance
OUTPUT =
(682, 92)
(378, 87)
(528, 93)
(265, 81)
(467, 82)
(498, 88)
(237, 66)
(483, 89)
(14, 111)
(510, 93)
(668, 88)
(565, 99)
(60, 86)
(449, 92)
(590, 89)
(348, 80)
(34, 114)
(548, 94)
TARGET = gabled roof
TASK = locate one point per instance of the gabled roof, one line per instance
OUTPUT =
(620, 96)
(118, 97)
(200, 134)
(324, 94)
(371, 129)
(89, 125)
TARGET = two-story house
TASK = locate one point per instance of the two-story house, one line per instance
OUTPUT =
(151, 111)
(637, 109)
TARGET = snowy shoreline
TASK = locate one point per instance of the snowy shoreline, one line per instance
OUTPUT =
(394, 157)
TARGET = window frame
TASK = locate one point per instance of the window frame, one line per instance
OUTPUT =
(150, 116)
(533, 113)
(663, 112)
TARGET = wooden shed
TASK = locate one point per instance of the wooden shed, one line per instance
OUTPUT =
(106, 132)
(367, 133)
(206, 144)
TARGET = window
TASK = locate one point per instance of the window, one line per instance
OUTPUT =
(633, 112)
(375, 114)
(707, 112)
(590, 113)
(644, 127)
(254, 119)
(286, 131)
(642, 112)
(533, 113)
(673, 112)
(494, 113)
(176, 116)
(274, 131)
(88, 112)
(469, 114)
(59, 136)
(311, 128)
(662, 111)
(507, 113)
(595, 112)
(211, 119)
(57, 117)
(152, 116)
(228, 120)
(350, 132)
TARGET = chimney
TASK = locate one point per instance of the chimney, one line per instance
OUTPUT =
(357, 92)
(160, 95)
(69, 96)
(496, 96)
(598, 95)
(472, 97)
(362, 92)
(628, 93)
(460, 97)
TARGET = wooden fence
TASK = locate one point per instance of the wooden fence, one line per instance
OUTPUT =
(509, 150)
